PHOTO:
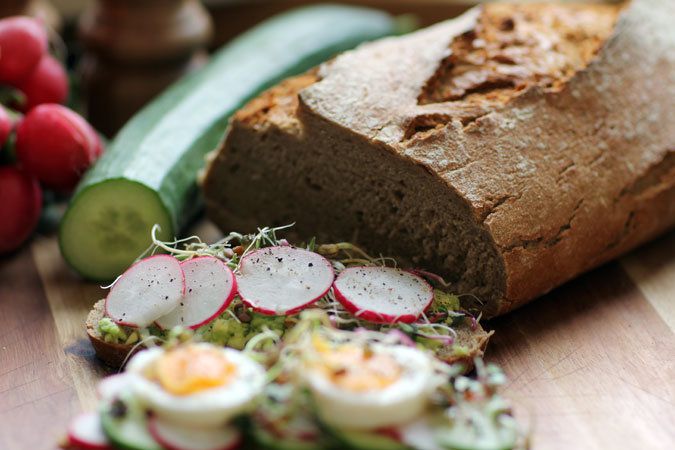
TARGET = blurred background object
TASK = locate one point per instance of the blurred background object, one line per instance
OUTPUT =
(70, 8)
(41, 9)
(135, 49)
(234, 16)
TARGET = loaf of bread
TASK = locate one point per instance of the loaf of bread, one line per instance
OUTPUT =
(509, 149)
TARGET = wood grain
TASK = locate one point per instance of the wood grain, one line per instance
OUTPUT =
(652, 267)
(36, 391)
(70, 300)
(592, 363)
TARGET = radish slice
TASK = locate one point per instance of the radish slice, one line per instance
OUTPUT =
(112, 386)
(85, 431)
(383, 294)
(283, 280)
(148, 290)
(209, 289)
(176, 437)
(420, 434)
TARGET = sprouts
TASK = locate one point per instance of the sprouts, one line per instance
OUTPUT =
(230, 248)
(436, 325)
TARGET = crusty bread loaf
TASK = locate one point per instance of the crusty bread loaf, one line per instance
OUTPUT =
(509, 149)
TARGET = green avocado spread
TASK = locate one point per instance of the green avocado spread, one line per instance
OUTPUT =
(116, 334)
(235, 330)
(237, 325)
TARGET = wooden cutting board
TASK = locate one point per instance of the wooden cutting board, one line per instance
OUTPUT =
(591, 364)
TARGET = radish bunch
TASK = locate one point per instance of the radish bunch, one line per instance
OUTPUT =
(56, 145)
(51, 146)
(277, 280)
(26, 65)
(20, 206)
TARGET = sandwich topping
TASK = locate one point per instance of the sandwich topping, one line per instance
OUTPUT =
(243, 285)
(318, 387)
(314, 346)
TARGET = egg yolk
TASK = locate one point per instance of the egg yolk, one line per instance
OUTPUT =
(356, 369)
(187, 370)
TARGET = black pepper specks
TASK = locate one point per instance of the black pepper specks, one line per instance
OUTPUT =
(118, 409)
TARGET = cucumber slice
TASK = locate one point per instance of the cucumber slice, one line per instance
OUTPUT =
(128, 431)
(115, 219)
(268, 441)
(479, 426)
(176, 437)
(368, 440)
(148, 174)
(482, 436)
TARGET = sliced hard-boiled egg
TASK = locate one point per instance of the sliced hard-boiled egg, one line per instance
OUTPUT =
(197, 384)
(367, 386)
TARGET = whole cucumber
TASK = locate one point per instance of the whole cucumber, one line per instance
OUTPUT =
(148, 175)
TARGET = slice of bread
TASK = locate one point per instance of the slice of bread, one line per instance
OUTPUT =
(509, 149)
(112, 354)
(473, 339)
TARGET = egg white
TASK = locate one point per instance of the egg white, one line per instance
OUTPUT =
(208, 408)
(398, 403)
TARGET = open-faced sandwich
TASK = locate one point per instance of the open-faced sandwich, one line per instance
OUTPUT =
(318, 387)
(229, 292)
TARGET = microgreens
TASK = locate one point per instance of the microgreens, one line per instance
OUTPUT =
(435, 325)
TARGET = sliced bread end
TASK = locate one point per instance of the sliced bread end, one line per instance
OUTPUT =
(112, 354)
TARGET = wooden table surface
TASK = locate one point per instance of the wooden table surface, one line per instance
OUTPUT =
(592, 363)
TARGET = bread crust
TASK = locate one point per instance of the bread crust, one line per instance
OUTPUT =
(563, 177)
(112, 354)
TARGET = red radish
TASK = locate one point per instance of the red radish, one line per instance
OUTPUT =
(56, 145)
(23, 43)
(112, 386)
(283, 280)
(148, 290)
(86, 432)
(6, 126)
(176, 437)
(48, 83)
(420, 433)
(209, 289)
(383, 294)
(20, 206)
